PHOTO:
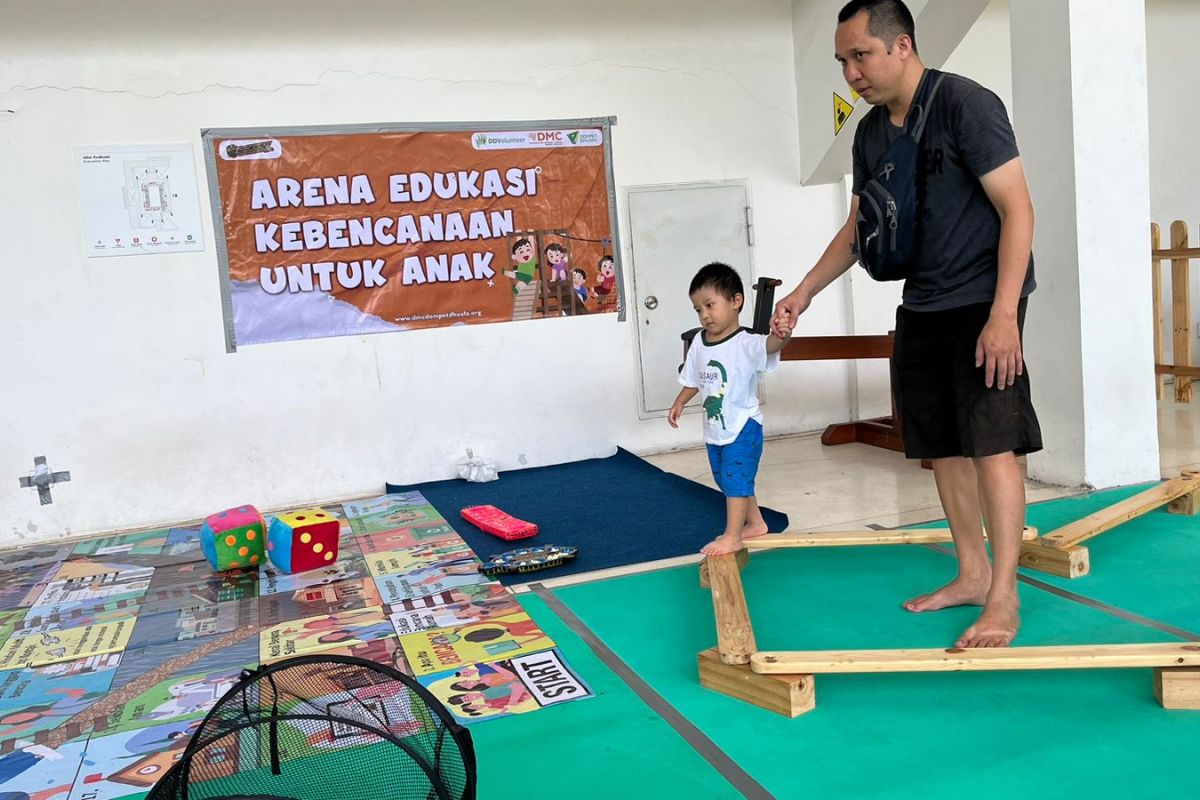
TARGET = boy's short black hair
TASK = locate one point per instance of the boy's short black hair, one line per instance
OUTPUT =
(721, 277)
(519, 244)
(604, 258)
(579, 272)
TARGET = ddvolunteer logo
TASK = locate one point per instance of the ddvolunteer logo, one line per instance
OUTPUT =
(247, 149)
(522, 140)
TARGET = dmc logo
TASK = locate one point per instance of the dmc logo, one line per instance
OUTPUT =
(887, 171)
(481, 140)
(547, 136)
(573, 136)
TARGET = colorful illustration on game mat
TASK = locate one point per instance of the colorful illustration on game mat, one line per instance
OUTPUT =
(475, 692)
(40, 699)
(39, 649)
(64, 616)
(382, 503)
(430, 580)
(142, 543)
(410, 536)
(388, 512)
(197, 622)
(179, 586)
(297, 637)
(476, 642)
(20, 586)
(176, 698)
(410, 559)
(328, 598)
(83, 579)
(113, 650)
(452, 615)
(347, 567)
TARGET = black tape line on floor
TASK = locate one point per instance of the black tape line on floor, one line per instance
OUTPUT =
(1066, 594)
(708, 750)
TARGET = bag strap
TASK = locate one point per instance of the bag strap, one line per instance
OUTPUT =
(918, 115)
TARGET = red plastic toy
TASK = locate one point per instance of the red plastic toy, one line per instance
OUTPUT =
(498, 523)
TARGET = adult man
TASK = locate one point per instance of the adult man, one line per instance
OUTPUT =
(958, 374)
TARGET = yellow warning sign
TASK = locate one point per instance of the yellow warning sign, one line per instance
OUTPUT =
(853, 96)
(841, 112)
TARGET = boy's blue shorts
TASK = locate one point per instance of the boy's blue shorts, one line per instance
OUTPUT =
(735, 465)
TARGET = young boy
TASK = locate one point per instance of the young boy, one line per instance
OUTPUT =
(723, 365)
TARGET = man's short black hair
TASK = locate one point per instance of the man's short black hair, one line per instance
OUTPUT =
(888, 19)
(721, 277)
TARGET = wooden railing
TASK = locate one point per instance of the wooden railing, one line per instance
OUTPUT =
(1179, 254)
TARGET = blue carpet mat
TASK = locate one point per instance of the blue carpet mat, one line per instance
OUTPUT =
(616, 510)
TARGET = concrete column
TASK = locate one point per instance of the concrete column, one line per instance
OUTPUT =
(1080, 113)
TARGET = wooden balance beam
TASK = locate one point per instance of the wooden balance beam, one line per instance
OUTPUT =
(978, 659)
(782, 681)
(1059, 552)
(774, 541)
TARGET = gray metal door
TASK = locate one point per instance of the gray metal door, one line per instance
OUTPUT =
(675, 230)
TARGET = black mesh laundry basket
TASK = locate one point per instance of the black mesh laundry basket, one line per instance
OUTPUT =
(324, 728)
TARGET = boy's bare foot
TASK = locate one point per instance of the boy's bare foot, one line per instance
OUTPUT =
(996, 627)
(958, 592)
(750, 531)
(722, 545)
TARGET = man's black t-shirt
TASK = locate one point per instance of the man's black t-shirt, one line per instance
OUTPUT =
(967, 135)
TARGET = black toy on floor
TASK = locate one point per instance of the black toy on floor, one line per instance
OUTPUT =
(528, 559)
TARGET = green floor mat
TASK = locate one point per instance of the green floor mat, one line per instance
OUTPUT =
(1091, 733)
(1149, 565)
(611, 746)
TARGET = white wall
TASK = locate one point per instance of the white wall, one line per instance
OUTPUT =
(1174, 74)
(115, 368)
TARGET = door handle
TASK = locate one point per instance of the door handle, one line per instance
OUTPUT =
(651, 302)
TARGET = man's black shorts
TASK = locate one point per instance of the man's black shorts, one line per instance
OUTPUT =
(945, 408)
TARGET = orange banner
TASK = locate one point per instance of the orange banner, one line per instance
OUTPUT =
(341, 233)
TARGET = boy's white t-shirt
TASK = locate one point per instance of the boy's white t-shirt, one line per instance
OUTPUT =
(726, 373)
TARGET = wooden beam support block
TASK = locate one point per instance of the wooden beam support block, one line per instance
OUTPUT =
(979, 659)
(1071, 562)
(790, 695)
(1188, 503)
(1178, 687)
(735, 636)
(1130, 508)
(743, 558)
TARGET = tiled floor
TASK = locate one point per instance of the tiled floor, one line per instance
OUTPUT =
(852, 485)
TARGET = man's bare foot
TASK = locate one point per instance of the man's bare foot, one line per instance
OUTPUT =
(722, 545)
(750, 531)
(958, 592)
(996, 627)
